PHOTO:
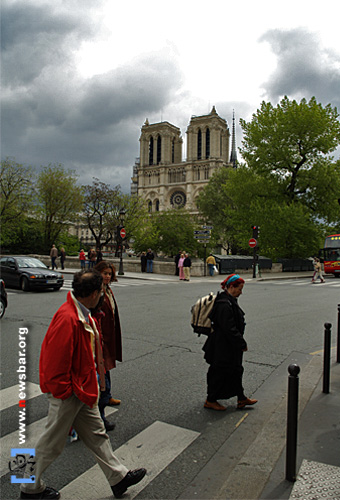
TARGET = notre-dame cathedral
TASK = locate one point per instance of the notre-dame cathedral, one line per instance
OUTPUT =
(161, 176)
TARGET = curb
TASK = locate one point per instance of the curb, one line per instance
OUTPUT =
(259, 438)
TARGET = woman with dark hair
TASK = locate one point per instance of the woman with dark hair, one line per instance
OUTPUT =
(225, 346)
(109, 325)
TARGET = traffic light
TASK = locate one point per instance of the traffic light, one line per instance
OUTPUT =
(255, 231)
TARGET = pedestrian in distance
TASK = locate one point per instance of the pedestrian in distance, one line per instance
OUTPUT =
(317, 271)
(62, 257)
(54, 256)
(177, 257)
(187, 267)
(109, 327)
(225, 346)
(82, 259)
(149, 259)
(70, 360)
(180, 267)
(211, 264)
(143, 261)
(99, 255)
(92, 256)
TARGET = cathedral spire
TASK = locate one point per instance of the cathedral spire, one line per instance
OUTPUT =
(233, 155)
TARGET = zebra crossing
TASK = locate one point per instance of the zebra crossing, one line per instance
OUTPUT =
(155, 447)
(125, 283)
(303, 282)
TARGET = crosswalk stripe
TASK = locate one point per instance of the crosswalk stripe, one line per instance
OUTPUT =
(154, 448)
(301, 283)
(68, 284)
(10, 395)
(32, 434)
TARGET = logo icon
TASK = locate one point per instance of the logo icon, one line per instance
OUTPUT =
(22, 464)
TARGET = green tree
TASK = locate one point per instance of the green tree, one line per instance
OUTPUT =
(291, 144)
(16, 201)
(101, 208)
(176, 231)
(16, 190)
(166, 232)
(212, 203)
(144, 235)
(289, 186)
(60, 199)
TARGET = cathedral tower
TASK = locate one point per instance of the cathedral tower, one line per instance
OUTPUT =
(162, 178)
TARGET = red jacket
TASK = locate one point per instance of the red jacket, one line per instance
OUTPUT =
(67, 363)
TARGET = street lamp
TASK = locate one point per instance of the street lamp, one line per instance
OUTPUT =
(120, 238)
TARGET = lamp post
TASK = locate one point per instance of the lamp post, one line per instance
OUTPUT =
(120, 237)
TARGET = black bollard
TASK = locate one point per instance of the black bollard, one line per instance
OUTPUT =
(338, 344)
(327, 358)
(292, 421)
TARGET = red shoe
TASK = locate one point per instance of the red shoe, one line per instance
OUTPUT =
(246, 402)
(214, 406)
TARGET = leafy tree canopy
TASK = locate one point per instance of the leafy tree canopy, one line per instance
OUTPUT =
(59, 200)
(16, 189)
(167, 232)
(101, 208)
(289, 186)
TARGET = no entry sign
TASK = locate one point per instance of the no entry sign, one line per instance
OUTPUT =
(252, 242)
(122, 233)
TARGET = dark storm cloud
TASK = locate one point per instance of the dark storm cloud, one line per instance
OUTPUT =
(35, 37)
(52, 115)
(129, 91)
(304, 67)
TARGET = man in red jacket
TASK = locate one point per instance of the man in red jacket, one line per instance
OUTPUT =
(69, 361)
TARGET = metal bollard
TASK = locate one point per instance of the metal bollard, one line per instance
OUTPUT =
(338, 344)
(292, 421)
(327, 358)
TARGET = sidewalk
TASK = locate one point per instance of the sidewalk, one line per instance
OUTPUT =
(318, 449)
(251, 462)
(217, 278)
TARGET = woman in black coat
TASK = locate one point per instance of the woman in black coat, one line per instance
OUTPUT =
(225, 346)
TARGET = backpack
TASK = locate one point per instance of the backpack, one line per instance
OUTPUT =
(200, 311)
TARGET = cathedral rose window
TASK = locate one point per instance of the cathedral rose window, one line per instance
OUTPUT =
(178, 199)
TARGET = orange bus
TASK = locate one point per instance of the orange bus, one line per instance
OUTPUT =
(330, 255)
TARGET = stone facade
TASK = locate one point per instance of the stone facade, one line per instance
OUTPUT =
(162, 178)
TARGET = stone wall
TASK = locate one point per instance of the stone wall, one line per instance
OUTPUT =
(132, 265)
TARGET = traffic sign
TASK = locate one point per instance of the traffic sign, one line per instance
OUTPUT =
(202, 236)
(207, 227)
(252, 242)
(122, 233)
(206, 231)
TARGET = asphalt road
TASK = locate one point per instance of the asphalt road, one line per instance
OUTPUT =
(163, 375)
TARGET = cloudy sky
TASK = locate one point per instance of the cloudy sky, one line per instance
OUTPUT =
(79, 77)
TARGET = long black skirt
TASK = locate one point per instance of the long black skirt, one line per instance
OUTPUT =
(224, 382)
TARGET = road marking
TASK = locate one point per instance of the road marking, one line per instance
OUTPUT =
(33, 431)
(242, 420)
(319, 352)
(154, 448)
(68, 284)
(301, 283)
(10, 395)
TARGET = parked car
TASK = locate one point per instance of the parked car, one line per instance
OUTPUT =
(28, 273)
(3, 298)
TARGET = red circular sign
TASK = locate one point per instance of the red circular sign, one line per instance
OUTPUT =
(122, 233)
(252, 242)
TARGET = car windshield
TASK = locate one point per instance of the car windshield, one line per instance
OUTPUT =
(30, 262)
